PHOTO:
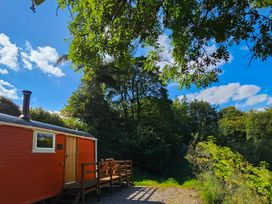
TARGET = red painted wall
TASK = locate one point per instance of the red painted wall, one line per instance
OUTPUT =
(26, 177)
(86, 153)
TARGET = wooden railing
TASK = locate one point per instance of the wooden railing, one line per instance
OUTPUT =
(89, 184)
(96, 175)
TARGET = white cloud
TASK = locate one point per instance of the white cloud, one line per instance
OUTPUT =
(8, 90)
(166, 57)
(253, 100)
(3, 71)
(25, 58)
(217, 94)
(55, 112)
(108, 59)
(261, 109)
(44, 58)
(167, 49)
(269, 100)
(172, 84)
(8, 53)
(246, 91)
(243, 95)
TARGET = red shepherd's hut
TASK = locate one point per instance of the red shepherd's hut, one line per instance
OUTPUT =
(37, 159)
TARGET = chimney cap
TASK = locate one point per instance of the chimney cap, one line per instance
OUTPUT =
(27, 92)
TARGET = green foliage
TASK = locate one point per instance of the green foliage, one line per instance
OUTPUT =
(195, 118)
(248, 133)
(232, 125)
(259, 125)
(235, 179)
(74, 123)
(204, 118)
(148, 148)
(41, 115)
(230, 112)
(38, 2)
(118, 28)
(261, 3)
(211, 188)
(8, 107)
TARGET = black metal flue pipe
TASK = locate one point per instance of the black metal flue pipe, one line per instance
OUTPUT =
(25, 108)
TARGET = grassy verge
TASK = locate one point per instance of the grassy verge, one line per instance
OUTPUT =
(147, 179)
(170, 182)
(204, 195)
(177, 172)
(207, 193)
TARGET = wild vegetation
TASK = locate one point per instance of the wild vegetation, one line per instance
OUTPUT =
(226, 177)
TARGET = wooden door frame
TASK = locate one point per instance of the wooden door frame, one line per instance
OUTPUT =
(76, 157)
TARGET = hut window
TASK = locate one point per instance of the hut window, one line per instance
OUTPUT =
(43, 142)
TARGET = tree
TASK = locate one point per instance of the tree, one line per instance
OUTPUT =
(128, 110)
(200, 33)
(259, 125)
(195, 118)
(204, 119)
(249, 133)
(229, 112)
(41, 115)
(232, 125)
(8, 107)
(183, 120)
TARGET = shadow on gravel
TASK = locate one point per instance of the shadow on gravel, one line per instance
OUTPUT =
(131, 195)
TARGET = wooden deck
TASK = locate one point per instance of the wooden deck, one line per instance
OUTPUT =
(95, 176)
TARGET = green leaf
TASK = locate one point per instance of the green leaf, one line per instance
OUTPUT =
(38, 2)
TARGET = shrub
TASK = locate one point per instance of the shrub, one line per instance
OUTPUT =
(228, 177)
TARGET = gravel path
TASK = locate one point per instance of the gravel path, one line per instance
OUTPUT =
(148, 195)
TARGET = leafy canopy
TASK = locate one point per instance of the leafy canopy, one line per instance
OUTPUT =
(8, 107)
(200, 32)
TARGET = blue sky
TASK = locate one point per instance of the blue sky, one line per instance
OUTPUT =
(30, 43)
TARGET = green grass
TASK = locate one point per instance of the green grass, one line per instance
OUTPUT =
(192, 184)
(176, 173)
(145, 179)
(200, 188)
(170, 182)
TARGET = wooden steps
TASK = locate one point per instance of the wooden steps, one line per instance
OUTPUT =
(68, 196)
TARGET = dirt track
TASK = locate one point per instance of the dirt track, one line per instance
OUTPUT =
(148, 195)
